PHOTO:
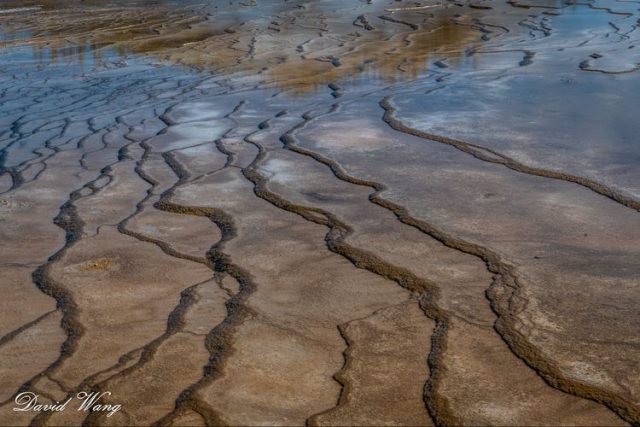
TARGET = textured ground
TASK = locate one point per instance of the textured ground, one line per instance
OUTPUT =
(328, 213)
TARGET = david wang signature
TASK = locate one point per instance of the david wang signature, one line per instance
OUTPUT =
(88, 402)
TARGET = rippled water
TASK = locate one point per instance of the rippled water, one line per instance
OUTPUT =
(491, 146)
(557, 74)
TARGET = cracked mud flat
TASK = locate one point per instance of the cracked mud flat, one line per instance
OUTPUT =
(321, 213)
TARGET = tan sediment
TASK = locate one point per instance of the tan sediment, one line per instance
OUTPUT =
(463, 299)
(381, 382)
(215, 340)
(336, 240)
(503, 292)
(285, 308)
(302, 328)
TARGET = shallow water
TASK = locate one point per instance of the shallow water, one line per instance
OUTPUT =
(481, 155)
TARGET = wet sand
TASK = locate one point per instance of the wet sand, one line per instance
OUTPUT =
(320, 213)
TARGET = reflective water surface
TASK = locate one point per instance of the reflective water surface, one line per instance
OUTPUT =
(285, 212)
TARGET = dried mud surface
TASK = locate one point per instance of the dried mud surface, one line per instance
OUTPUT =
(321, 213)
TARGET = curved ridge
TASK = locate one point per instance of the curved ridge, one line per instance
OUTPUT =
(336, 241)
(503, 293)
(69, 221)
(9, 336)
(492, 156)
(219, 340)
